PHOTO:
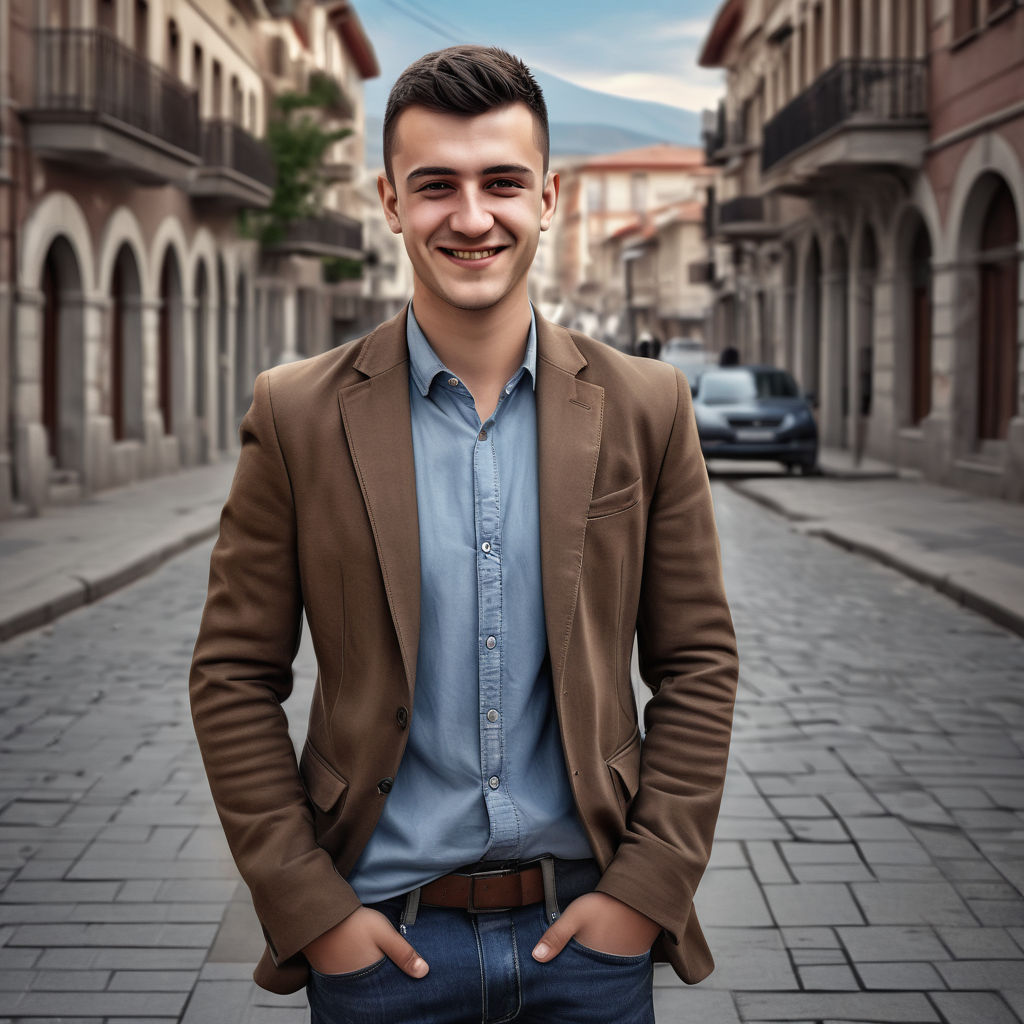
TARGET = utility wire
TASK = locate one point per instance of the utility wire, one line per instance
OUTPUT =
(425, 22)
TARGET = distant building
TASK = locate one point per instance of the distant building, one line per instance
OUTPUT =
(866, 222)
(134, 316)
(627, 227)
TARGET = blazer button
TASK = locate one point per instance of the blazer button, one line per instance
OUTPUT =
(384, 786)
(402, 717)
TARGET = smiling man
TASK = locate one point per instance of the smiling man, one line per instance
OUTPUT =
(476, 510)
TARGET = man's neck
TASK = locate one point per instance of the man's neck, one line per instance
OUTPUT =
(483, 347)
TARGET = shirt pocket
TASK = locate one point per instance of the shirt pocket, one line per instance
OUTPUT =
(616, 501)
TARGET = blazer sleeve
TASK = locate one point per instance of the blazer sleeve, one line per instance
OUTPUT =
(688, 657)
(241, 673)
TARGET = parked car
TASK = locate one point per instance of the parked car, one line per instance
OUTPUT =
(688, 355)
(755, 412)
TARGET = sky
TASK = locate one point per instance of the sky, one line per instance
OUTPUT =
(644, 49)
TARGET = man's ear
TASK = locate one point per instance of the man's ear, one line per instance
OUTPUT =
(389, 202)
(549, 200)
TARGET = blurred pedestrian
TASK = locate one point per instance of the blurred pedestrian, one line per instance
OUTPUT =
(471, 508)
(730, 356)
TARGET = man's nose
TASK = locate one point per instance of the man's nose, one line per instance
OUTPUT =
(472, 218)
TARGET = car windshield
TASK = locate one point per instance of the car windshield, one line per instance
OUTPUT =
(718, 387)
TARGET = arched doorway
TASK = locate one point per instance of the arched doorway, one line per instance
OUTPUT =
(867, 274)
(62, 371)
(171, 344)
(789, 308)
(200, 375)
(225, 345)
(837, 407)
(810, 359)
(125, 348)
(998, 269)
(244, 354)
(920, 298)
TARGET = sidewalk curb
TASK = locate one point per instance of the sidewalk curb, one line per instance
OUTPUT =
(79, 590)
(959, 591)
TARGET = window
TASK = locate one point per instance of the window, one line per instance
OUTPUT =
(595, 195)
(173, 55)
(966, 17)
(638, 192)
(142, 27)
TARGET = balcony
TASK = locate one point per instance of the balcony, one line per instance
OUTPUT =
(743, 217)
(859, 115)
(330, 234)
(101, 106)
(237, 170)
(723, 138)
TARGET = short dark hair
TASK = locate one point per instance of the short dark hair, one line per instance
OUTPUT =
(465, 80)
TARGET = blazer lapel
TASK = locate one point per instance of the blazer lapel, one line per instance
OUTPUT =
(570, 413)
(378, 429)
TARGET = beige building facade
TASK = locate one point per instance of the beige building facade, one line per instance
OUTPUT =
(866, 225)
(134, 311)
(627, 227)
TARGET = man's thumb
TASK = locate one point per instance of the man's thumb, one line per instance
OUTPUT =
(553, 941)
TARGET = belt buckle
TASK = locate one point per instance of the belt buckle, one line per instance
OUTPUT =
(471, 906)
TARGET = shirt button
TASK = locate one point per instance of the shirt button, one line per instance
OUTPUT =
(482, 436)
(490, 643)
(454, 381)
(485, 547)
(492, 715)
(494, 782)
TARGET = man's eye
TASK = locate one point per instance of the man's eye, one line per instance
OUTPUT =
(435, 186)
(505, 183)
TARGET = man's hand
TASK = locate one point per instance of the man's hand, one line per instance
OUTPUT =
(600, 922)
(360, 940)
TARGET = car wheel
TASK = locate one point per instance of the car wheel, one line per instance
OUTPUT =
(809, 469)
(790, 468)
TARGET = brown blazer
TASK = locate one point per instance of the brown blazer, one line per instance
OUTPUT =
(321, 519)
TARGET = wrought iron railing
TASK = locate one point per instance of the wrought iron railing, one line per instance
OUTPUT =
(226, 144)
(88, 74)
(329, 230)
(742, 209)
(891, 91)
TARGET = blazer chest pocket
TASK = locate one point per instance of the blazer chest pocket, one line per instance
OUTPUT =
(326, 788)
(624, 767)
(616, 501)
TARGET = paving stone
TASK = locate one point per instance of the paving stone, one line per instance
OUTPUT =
(59, 892)
(833, 978)
(820, 830)
(973, 1008)
(820, 853)
(810, 938)
(749, 958)
(968, 870)
(217, 1002)
(814, 904)
(877, 828)
(731, 898)
(93, 1004)
(920, 977)
(153, 981)
(998, 913)
(869, 1007)
(932, 903)
(894, 853)
(895, 943)
(956, 797)
(811, 957)
(832, 873)
(69, 981)
(685, 1006)
(982, 974)
(767, 864)
(979, 943)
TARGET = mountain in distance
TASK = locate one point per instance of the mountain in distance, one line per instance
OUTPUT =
(585, 122)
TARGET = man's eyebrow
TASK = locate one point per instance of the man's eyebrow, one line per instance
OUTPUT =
(450, 172)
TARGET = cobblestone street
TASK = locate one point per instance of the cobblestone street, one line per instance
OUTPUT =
(869, 864)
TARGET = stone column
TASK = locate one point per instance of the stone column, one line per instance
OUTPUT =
(954, 299)
(31, 455)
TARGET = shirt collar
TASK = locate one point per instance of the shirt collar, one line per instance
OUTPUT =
(424, 364)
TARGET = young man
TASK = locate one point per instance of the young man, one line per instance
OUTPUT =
(475, 509)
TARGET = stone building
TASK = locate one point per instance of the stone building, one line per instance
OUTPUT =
(866, 223)
(134, 312)
(627, 227)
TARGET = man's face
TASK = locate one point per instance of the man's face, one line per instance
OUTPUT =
(470, 200)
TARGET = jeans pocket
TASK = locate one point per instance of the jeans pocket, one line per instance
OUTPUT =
(356, 975)
(614, 959)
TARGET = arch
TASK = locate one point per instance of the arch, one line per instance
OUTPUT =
(170, 235)
(227, 354)
(62, 362)
(125, 347)
(171, 342)
(201, 354)
(122, 231)
(863, 320)
(58, 215)
(810, 355)
(914, 250)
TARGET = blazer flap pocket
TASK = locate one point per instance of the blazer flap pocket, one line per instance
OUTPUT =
(616, 501)
(625, 763)
(324, 785)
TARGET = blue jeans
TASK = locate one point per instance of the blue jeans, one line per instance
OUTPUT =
(481, 972)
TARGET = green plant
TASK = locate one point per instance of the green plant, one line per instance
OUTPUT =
(298, 143)
(341, 268)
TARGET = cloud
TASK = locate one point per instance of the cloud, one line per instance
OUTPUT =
(690, 28)
(691, 92)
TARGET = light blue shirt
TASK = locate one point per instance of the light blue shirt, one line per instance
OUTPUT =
(483, 775)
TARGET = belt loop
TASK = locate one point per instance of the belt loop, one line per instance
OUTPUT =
(547, 870)
(409, 912)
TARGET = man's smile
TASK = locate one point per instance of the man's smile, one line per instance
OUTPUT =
(472, 254)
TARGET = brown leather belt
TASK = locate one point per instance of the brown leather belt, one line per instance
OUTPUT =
(486, 890)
